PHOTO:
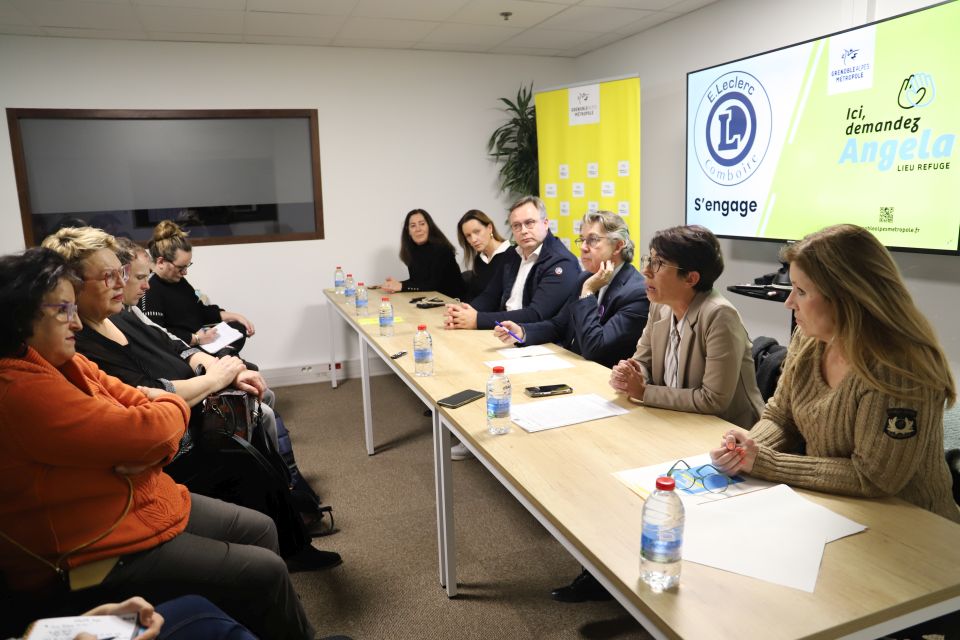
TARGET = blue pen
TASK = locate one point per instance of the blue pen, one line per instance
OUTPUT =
(511, 333)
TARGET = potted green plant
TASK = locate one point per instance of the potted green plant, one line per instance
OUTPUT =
(514, 145)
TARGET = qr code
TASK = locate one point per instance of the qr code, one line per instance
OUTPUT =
(886, 214)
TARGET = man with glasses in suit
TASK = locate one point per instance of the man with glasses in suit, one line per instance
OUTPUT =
(605, 314)
(535, 281)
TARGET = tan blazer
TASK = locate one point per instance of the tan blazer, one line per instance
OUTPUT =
(715, 367)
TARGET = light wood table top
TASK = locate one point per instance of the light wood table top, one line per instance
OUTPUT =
(906, 560)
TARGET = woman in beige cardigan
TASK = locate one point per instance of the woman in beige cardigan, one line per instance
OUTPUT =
(859, 408)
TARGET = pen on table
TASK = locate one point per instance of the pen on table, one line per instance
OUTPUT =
(511, 333)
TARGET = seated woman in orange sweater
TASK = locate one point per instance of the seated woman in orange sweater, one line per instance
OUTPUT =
(81, 479)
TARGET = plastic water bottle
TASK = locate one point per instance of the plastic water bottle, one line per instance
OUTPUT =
(422, 352)
(361, 298)
(338, 281)
(350, 289)
(661, 543)
(386, 317)
(498, 402)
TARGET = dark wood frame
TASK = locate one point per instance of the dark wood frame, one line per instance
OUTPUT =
(14, 115)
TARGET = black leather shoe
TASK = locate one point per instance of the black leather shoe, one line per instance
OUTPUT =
(310, 559)
(583, 588)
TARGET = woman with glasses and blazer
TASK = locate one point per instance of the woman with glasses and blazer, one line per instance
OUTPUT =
(694, 354)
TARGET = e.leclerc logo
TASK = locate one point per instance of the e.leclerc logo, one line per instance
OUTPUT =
(732, 128)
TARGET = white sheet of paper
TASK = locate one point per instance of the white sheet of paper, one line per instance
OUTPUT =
(225, 335)
(560, 412)
(529, 365)
(525, 352)
(100, 626)
(642, 480)
(784, 532)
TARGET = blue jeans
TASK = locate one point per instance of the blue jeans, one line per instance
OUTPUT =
(196, 618)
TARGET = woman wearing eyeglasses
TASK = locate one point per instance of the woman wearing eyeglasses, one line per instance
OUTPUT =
(484, 250)
(859, 408)
(140, 355)
(428, 256)
(92, 254)
(694, 354)
(606, 313)
(82, 487)
(172, 302)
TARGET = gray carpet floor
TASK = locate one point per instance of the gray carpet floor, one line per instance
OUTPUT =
(384, 505)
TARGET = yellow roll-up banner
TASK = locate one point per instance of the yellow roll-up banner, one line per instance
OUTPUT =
(588, 140)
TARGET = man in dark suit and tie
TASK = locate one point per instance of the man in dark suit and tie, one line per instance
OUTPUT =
(605, 314)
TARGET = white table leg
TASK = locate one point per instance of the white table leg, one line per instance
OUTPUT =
(448, 562)
(441, 541)
(334, 323)
(365, 385)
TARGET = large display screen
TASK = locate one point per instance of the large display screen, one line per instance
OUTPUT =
(859, 127)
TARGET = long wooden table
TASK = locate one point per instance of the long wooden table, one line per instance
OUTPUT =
(904, 569)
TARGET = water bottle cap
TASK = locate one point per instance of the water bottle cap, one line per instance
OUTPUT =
(498, 369)
(349, 275)
(339, 267)
(421, 327)
(384, 299)
(665, 483)
(360, 284)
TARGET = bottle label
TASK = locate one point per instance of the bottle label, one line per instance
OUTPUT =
(422, 356)
(498, 407)
(338, 283)
(350, 292)
(386, 321)
(661, 544)
(361, 302)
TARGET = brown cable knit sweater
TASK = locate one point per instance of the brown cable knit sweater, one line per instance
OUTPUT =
(859, 441)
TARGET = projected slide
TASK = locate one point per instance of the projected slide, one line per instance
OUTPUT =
(856, 127)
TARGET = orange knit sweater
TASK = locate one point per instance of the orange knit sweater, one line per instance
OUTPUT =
(63, 431)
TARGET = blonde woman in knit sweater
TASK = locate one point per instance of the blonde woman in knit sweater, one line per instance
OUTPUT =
(859, 408)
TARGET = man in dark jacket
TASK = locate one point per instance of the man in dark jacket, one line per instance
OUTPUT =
(605, 314)
(535, 282)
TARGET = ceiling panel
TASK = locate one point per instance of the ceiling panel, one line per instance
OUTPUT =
(386, 29)
(293, 25)
(184, 20)
(535, 27)
(321, 7)
(597, 19)
(434, 10)
(473, 34)
(525, 13)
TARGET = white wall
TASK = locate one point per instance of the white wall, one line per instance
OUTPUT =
(720, 32)
(398, 130)
(404, 129)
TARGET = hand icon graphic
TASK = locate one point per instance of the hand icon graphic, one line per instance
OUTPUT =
(917, 91)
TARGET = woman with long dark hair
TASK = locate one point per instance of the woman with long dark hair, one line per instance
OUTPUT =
(429, 256)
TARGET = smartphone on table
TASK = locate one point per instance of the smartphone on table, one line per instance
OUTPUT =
(461, 398)
(548, 390)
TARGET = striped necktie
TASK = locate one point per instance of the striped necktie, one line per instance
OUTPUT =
(673, 355)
